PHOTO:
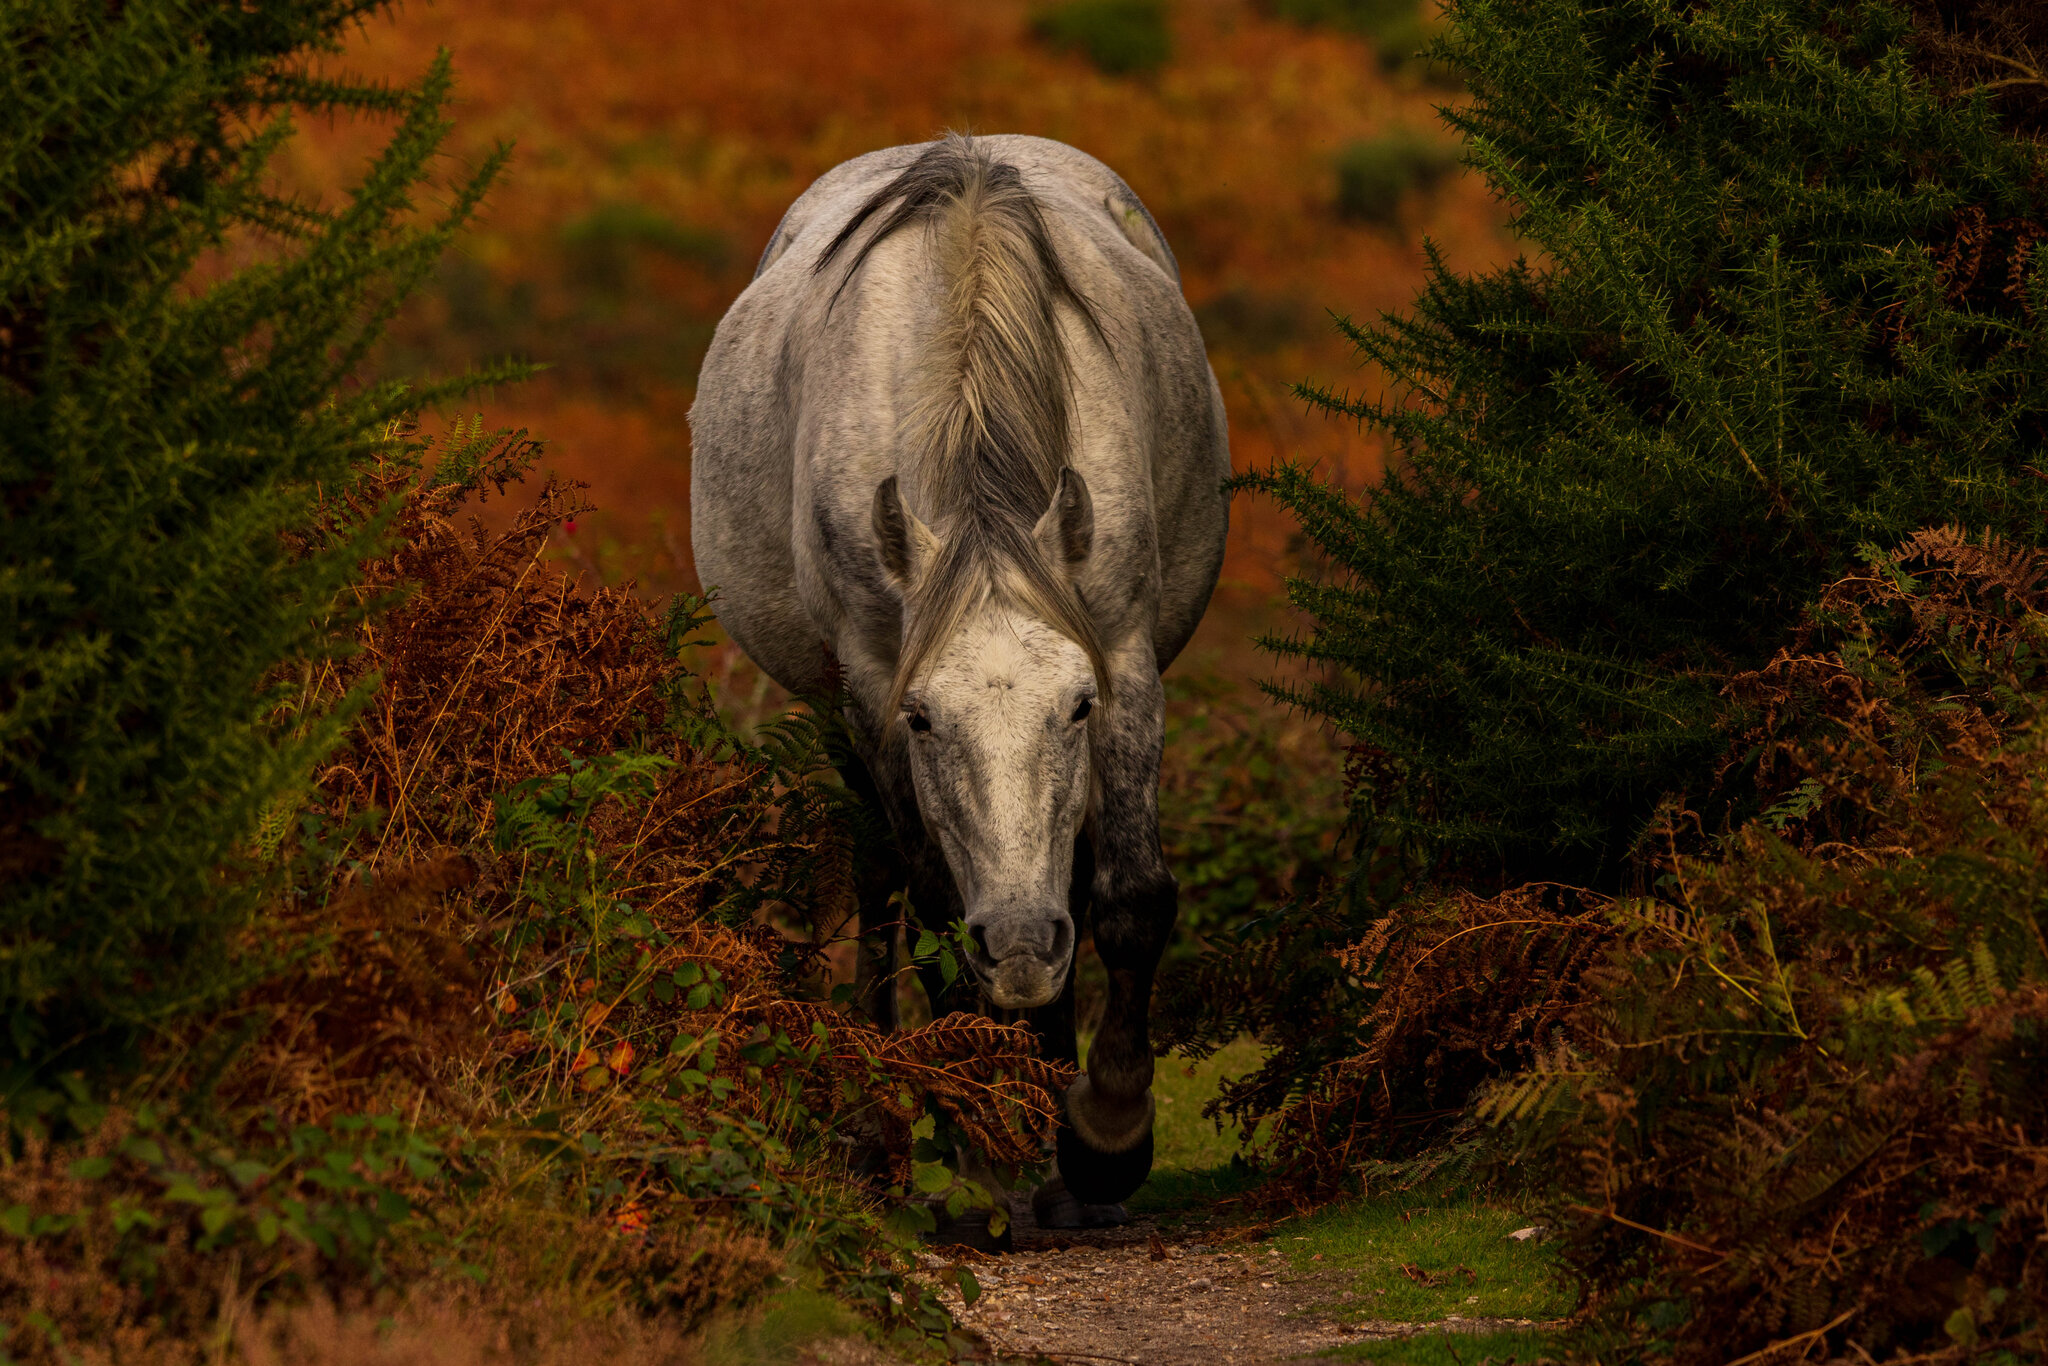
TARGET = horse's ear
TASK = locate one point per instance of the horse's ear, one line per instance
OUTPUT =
(1067, 530)
(905, 544)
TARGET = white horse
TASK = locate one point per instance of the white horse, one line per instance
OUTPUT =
(958, 448)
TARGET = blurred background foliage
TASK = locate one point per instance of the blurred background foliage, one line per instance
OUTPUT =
(655, 147)
(1119, 36)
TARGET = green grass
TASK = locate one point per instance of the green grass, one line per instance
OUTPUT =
(780, 1327)
(1192, 1166)
(1522, 1346)
(1182, 1139)
(1442, 1234)
(1455, 1241)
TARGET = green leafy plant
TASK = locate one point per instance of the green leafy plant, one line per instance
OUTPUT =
(1251, 808)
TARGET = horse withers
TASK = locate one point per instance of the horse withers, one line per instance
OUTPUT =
(958, 449)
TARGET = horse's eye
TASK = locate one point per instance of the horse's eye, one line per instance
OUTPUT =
(919, 722)
(1087, 704)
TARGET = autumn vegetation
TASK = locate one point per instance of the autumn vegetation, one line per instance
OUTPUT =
(423, 936)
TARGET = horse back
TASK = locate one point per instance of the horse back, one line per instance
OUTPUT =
(800, 403)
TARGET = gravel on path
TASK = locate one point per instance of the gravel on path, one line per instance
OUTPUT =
(1132, 1295)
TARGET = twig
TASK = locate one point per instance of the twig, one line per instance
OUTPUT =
(1807, 1336)
(1654, 1232)
(1474, 929)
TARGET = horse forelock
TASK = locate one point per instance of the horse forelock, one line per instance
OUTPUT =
(990, 426)
(957, 584)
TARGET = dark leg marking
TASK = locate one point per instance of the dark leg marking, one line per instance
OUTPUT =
(879, 873)
(1105, 1147)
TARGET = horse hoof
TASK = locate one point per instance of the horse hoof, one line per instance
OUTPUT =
(1054, 1206)
(1099, 1178)
(970, 1230)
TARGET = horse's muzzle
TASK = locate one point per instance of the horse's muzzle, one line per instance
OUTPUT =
(1021, 958)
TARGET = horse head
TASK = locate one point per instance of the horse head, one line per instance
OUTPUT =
(996, 693)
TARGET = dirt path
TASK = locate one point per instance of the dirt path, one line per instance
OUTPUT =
(1132, 1295)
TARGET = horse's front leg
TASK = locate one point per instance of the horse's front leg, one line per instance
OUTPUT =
(882, 781)
(1105, 1147)
(879, 874)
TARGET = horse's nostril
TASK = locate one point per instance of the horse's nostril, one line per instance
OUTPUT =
(1017, 937)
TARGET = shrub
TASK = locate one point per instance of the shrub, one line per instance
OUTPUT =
(1801, 1111)
(635, 1003)
(1250, 809)
(601, 247)
(413, 888)
(1622, 472)
(1120, 37)
(1785, 1104)
(1378, 1023)
(1360, 16)
(1376, 175)
(168, 423)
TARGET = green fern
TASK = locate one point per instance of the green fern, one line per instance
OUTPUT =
(1966, 984)
(1549, 1088)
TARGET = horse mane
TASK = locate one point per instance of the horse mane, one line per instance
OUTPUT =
(992, 425)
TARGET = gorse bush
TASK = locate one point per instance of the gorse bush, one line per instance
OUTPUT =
(1791, 302)
(165, 424)
(1655, 626)
(1119, 36)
